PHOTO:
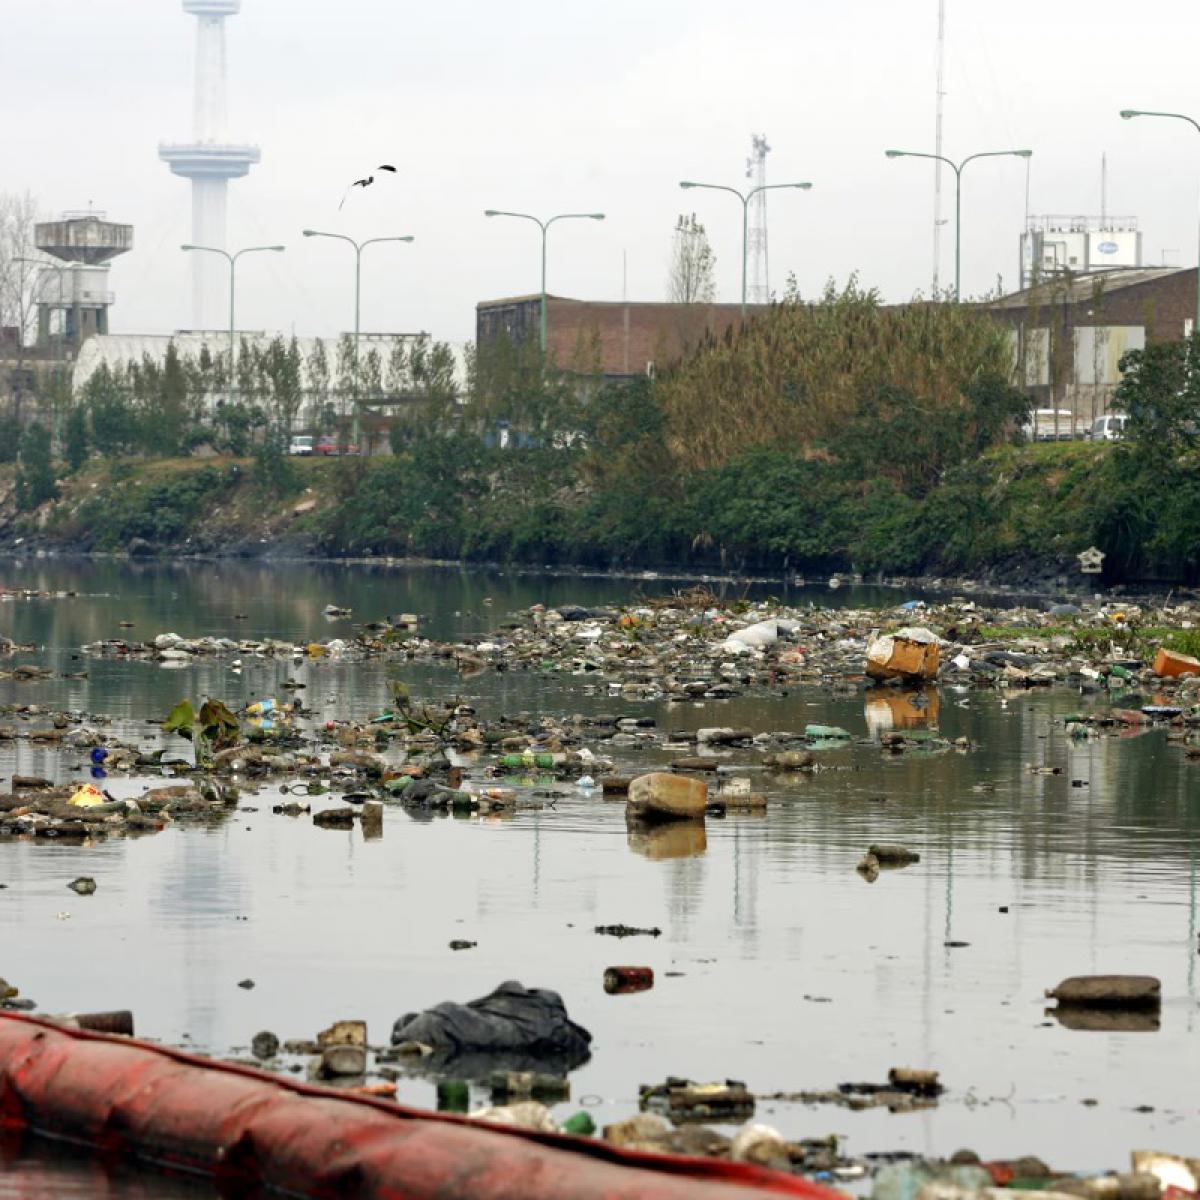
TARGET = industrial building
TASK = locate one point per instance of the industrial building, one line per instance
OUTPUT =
(1070, 332)
(65, 299)
(72, 293)
(1074, 245)
(615, 339)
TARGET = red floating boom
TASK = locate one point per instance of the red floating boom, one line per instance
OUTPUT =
(129, 1099)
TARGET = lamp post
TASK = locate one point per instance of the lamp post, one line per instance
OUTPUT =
(1127, 114)
(359, 247)
(232, 259)
(745, 198)
(544, 226)
(957, 168)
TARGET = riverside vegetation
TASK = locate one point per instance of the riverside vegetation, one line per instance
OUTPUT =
(833, 435)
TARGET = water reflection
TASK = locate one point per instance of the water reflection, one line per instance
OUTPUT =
(1099, 1020)
(659, 843)
(1096, 866)
(36, 1170)
(887, 710)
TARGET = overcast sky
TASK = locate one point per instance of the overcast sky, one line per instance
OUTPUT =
(549, 106)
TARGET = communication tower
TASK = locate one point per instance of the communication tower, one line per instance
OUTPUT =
(758, 288)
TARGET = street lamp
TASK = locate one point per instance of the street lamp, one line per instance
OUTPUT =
(232, 259)
(359, 247)
(957, 168)
(544, 226)
(745, 198)
(1127, 114)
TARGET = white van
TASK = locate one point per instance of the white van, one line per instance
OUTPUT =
(1108, 428)
(300, 444)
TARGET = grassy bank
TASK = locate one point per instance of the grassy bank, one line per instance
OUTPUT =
(1014, 511)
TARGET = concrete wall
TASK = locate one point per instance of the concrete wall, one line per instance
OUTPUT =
(622, 339)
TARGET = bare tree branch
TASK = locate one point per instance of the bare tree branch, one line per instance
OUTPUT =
(690, 279)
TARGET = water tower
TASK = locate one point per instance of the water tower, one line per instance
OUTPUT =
(73, 300)
(209, 160)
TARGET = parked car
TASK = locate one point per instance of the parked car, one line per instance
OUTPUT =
(300, 444)
(329, 445)
(1108, 428)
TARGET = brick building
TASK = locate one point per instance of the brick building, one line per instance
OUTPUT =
(1070, 332)
(623, 338)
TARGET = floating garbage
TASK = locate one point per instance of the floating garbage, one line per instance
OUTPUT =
(912, 654)
(622, 980)
(1172, 664)
(682, 1100)
(1108, 991)
(88, 796)
(662, 796)
(513, 1028)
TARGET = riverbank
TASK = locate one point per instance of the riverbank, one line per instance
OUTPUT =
(1016, 518)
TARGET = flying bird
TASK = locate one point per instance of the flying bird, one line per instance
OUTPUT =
(366, 183)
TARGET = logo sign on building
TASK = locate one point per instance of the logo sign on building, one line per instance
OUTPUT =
(1108, 247)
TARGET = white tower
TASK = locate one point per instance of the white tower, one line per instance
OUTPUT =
(758, 289)
(208, 160)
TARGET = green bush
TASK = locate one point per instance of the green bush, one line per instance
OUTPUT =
(35, 479)
(163, 513)
(75, 438)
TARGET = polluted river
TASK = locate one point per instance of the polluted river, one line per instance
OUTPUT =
(1054, 840)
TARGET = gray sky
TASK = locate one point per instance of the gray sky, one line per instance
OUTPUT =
(549, 106)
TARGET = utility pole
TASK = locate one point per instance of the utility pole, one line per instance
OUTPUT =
(937, 141)
(756, 172)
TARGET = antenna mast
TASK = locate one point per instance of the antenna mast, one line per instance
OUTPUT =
(758, 289)
(937, 142)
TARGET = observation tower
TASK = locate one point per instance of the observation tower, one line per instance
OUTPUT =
(209, 160)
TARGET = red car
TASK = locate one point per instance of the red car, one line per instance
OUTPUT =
(329, 445)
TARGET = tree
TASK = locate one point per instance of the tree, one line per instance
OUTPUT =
(427, 400)
(247, 377)
(274, 470)
(114, 424)
(165, 395)
(282, 366)
(347, 391)
(398, 380)
(691, 279)
(35, 477)
(75, 448)
(1160, 393)
(317, 367)
(371, 376)
(18, 216)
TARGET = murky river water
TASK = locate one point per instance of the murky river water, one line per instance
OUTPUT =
(788, 971)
